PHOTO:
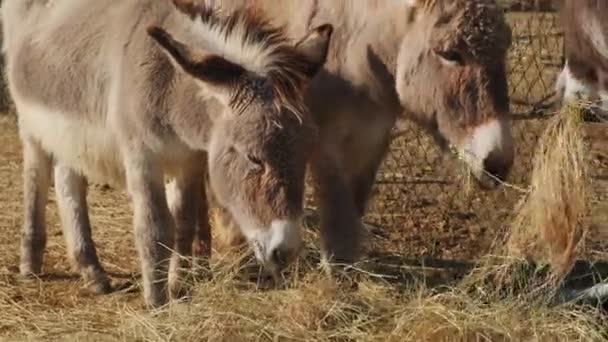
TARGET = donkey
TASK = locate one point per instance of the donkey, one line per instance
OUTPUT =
(585, 73)
(440, 63)
(131, 92)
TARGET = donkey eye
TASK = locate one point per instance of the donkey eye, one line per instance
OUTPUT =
(451, 56)
(255, 162)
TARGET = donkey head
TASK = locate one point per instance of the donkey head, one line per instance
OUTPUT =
(451, 78)
(262, 137)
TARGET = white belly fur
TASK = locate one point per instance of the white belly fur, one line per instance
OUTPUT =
(88, 149)
(91, 150)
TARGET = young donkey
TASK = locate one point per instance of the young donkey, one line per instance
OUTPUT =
(438, 62)
(103, 93)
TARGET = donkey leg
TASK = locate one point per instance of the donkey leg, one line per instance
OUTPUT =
(153, 225)
(231, 235)
(363, 180)
(340, 223)
(184, 197)
(36, 182)
(71, 192)
(603, 94)
(604, 103)
(201, 244)
(229, 232)
(203, 240)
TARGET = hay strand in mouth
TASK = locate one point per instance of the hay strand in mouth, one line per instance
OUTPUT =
(547, 227)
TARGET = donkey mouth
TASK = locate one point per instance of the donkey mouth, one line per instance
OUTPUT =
(489, 182)
(492, 178)
(489, 154)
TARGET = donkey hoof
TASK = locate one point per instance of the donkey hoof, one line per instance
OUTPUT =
(28, 271)
(99, 286)
(155, 297)
(155, 303)
(179, 291)
(97, 283)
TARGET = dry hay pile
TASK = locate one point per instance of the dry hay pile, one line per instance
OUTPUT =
(548, 226)
(311, 308)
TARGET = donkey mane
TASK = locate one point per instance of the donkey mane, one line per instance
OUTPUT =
(479, 29)
(483, 26)
(247, 38)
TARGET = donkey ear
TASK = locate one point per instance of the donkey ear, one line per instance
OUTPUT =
(200, 64)
(315, 47)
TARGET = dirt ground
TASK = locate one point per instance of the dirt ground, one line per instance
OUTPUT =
(423, 206)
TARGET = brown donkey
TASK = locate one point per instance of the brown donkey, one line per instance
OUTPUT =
(440, 63)
(131, 92)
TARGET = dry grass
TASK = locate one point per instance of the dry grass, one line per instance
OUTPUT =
(317, 309)
(547, 226)
(311, 308)
(360, 306)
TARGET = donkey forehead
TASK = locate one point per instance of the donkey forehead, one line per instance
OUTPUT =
(258, 106)
(261, 126)
(477, 26)
(257, 95)
(253, 89)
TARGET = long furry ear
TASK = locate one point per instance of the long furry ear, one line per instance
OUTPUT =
(202, 65)
(315, 47)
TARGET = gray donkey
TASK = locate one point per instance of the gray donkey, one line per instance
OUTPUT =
(131, 92)
(440, 63)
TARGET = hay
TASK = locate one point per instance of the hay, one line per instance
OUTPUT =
(230, 307)
(317, 309)
(226, 233)
(311, 308)
(547, 227)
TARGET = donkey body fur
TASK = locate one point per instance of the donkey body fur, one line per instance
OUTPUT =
(133, 93)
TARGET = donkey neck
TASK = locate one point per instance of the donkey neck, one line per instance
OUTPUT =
(374, 24)
(365, 45)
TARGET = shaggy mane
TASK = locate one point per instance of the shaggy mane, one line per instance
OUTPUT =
(482, 29)
(247, 38)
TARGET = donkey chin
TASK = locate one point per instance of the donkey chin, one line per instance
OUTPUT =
(489, 153)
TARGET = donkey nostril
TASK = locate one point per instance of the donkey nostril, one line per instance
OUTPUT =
(496, 167)
(279, 257)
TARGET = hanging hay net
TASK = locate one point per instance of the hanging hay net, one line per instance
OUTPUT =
(547, 227)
